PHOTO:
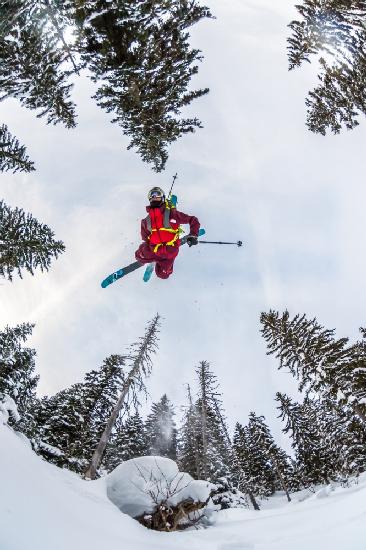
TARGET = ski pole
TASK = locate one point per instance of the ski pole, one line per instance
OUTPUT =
(238, 243)
(171, 188)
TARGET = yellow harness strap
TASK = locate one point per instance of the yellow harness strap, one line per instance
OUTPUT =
(169, 243)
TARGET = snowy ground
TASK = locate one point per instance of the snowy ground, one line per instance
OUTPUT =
(43, 508)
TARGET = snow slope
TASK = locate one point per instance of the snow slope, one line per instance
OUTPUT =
(43, 507)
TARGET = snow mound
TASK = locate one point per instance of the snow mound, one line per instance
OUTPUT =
(139, 485)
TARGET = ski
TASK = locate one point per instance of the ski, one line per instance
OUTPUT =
(148, 272)
(113, 277)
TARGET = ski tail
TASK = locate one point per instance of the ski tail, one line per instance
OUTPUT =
(148, 272)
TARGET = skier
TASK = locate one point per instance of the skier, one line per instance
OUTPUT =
(160, 232)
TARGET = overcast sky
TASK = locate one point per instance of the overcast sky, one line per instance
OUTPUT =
(253, 173)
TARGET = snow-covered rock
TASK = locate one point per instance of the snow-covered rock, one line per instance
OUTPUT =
(139, 485)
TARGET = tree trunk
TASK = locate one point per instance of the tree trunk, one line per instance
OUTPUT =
(99, 451)
(252, 499)
(204, 432)
(282, 481)
(196, 452)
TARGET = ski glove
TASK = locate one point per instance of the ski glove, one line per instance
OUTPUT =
(192, 240)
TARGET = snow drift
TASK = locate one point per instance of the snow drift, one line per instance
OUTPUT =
(43, 507)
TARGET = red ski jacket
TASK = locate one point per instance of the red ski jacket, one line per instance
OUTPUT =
(176, 218)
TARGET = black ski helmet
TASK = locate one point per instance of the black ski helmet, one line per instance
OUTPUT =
(156, 192)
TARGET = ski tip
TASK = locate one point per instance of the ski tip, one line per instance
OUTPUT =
(111, 278)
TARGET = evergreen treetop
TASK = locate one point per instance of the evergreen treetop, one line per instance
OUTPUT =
(321, 363)
(161, 431)
(17, 366)
(13, 155)
(334, 30)
(138, 53)
(25, 244)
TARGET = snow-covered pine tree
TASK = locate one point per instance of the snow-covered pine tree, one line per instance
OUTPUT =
(262, 477)
(215, 458)
(128, 441)
(140, 359)
(13, 155)
(25, 244)
(17, 379)
(351, 380)
(71, 422)
(161, 431)
(138, 53)
(337, 29)
(323, 365)
(58, 427)
(314, 459)
(242, 463)
(344, 436)
(190, 439)
(32, 60)
(271, 466)
(101, 389)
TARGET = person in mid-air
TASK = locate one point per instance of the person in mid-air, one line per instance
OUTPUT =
(160, 233)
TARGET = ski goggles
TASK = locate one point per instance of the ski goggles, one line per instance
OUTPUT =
(155, 195)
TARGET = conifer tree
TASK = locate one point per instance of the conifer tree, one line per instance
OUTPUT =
(204, 446)
(314, 459)
(32, 65)
(25, 244)
(58, 427)
(344, 437)
(17, 379)
(215, 448)
(271, 466)
(242, 463)
(336, 30)
(261, 471)
(161, 431)
(190, 439)
(323, 365)
(139, 52)
(13, 155)
(71, 422)
(100, 392)
(129, 441)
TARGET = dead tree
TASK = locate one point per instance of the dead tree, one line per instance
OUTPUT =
(141, 367)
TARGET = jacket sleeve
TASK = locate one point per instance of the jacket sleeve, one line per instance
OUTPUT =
(144, 231)
(193, 222)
